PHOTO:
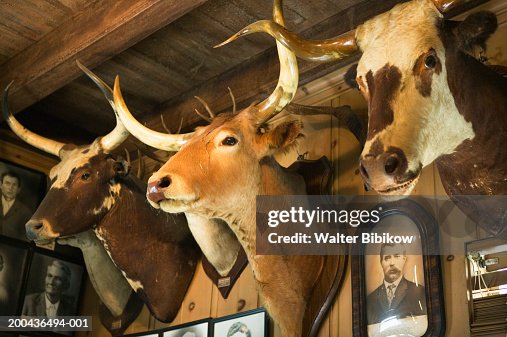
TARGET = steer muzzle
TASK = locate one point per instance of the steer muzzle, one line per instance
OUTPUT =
(387, 172)
(156, 188)
(35, 230)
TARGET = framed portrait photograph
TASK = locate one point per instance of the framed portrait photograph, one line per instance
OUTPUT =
(397, 271)
(251, 323)
(22, 191)
(13, 265)
(54, 285)
(192, 329)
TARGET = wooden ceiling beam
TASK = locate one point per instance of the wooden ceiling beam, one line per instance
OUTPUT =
(94, 35)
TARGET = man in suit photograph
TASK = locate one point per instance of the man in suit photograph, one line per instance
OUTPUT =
(52, 302)
(14, 214)
(396, 297)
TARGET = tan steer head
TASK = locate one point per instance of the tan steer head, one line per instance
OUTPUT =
(218, 173)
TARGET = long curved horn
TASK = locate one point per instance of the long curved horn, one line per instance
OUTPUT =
(287, 81)
(45, 144)
(158, 140)
(118, 135)
(312, 50)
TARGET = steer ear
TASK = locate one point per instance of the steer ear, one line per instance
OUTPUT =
(350, 77)
(121, 167)
(476, 30)
(283, 136)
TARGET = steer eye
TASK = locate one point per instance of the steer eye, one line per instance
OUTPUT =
(229, 141)
(430, 61)
(85, 176)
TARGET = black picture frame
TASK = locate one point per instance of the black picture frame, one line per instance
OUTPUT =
(40, 261)
(32, 190)
(14, 261)
(255, 321)
(424, 223)
(200, 328)
(33, 303)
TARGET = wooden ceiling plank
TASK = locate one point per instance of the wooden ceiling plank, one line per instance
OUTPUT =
(14, 27)
(143, 64)
(74, 5)
(93, 35)
(23, 14)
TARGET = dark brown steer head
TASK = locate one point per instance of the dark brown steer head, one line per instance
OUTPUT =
(83, 185)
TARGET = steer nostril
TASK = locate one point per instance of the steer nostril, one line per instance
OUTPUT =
(164, 182)
(364, 173)
(391, 164)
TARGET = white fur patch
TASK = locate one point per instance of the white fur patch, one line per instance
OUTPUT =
(109, 200)
(73, 159)
(136, 285)
(100, 233)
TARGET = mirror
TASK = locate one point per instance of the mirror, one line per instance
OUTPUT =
(487, 286)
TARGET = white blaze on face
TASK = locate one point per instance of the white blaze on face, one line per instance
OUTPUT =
(423, 127)
(72, 160)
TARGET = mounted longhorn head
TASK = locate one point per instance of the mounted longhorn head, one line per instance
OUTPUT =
(91, 190)
(218, 173)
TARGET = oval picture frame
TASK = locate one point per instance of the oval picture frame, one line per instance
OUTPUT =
(430, 276)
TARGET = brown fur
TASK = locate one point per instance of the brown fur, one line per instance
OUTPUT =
(381, 113)
(424, 75)
(478, 166)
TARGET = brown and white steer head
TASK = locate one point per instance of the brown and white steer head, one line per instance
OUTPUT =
(91, 190)
(410, 55)
(83, 185)
(404, 76)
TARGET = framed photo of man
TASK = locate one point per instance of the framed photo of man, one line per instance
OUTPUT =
(13, 265)
(398, 273)
(21, 192)
(54, 285)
